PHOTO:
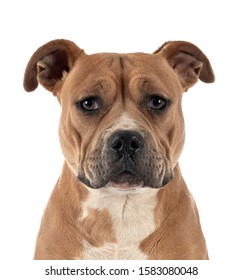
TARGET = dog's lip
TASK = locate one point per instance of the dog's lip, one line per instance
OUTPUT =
(126, 181)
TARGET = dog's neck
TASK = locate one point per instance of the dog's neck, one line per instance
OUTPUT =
(131, 215)
(114, 222)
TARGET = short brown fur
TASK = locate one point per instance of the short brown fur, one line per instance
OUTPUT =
(88, 215)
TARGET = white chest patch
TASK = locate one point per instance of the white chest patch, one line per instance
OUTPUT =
(132, 220)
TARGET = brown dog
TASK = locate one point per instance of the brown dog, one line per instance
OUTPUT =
(121, 194)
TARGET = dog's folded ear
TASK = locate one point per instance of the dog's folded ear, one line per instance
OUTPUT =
(188, 61)
(49, 64)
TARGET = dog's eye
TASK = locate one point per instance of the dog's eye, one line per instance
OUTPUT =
(89, 104)
(157, 103)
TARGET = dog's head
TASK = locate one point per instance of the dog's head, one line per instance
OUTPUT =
(122, 124)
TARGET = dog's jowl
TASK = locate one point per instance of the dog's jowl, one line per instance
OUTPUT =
(120, 194)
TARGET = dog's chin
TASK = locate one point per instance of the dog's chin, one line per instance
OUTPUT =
(125, 181)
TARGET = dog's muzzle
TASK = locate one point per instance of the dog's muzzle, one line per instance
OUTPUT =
(127, 162)
(124, 147)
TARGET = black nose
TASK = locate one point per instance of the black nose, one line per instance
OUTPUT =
(126, 142)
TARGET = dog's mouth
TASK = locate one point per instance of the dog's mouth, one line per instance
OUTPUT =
(126, 180)
(126, 176)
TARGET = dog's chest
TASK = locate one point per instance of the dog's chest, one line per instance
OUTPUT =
(131, 220)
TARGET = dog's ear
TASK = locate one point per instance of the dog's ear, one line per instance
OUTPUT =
(49, 64)
(188, 61)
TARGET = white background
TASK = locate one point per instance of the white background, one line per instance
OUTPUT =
(30, 155)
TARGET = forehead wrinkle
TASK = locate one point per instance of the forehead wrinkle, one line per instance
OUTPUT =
(112, 60)
(126, 65)
(122, 78)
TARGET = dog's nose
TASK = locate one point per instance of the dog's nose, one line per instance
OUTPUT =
(126, 142)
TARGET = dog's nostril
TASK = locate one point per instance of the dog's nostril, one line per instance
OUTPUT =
(135, 144)
(117, 145)
(126, 142)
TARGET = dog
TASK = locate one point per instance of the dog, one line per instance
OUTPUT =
(120, 194)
